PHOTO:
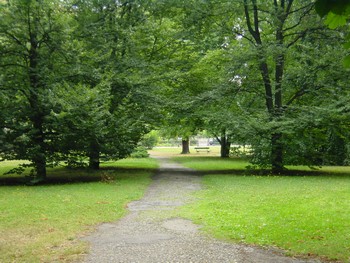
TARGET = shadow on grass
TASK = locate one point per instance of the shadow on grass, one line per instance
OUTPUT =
(256, 172)
(243, 168)
(59, 176)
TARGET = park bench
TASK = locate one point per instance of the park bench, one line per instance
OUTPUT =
(202, 148)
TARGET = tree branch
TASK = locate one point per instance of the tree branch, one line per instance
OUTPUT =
(243, 36)
(249, 24)
(14, 38)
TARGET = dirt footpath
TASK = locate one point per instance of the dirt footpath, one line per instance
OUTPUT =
(151, 232)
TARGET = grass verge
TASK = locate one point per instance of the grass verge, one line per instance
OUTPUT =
(304, 215)
(44, 223)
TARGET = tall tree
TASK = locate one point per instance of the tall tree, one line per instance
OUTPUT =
(281, 38)
(277, 24)
(112, 60)
(32, 55)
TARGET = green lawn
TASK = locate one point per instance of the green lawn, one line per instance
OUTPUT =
(44, 223)
(204, 163)
(304, 215)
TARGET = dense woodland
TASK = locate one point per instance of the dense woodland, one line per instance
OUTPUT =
(87, 79)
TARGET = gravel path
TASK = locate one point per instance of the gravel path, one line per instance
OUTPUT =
(151, 233)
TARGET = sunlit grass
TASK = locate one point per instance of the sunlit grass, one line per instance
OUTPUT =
(302, 215)
(44, 223)
(212, 163)
(134, 163)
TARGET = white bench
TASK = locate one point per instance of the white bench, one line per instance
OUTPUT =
(202, 148)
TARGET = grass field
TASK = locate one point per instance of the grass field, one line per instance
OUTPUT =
(44, 223)
(307, 216)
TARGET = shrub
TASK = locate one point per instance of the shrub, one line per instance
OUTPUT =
(139, 152)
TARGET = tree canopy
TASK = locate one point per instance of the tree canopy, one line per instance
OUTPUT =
(83, 81)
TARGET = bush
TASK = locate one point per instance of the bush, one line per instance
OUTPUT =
(139, 152)
(150, 140)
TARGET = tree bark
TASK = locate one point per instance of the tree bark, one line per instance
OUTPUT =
(39, 155)
(225, 146)
(185, 146)
(37, 116)
(94, 155)
(276, 138)
(277, 153)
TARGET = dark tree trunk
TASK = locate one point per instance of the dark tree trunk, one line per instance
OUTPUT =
(40, 167)
(38, 157)
(225, 147)
(274, 104)
(277, 153)
(94, 155)
(185, 146)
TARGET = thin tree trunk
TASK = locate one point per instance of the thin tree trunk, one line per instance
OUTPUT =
(185, 146)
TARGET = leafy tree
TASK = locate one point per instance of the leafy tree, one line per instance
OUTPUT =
(112, 58)
(32, 58)
(275, 31)
(196, 32)
(254, 85)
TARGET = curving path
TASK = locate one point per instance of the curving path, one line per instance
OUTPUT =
(151, 233)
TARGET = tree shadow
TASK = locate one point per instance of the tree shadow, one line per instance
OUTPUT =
(266, 172)
(75, 176)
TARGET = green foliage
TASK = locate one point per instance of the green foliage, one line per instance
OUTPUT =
(338, 13)
(81, 88)
(301, 107)
(87, 81)
(33, 58)
(139, 152)
(150, 139)
(338, 7)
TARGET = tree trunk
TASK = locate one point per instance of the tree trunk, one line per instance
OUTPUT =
(40, 167)
(185, 146)
(38, 157)
(225, 147)
(277, 153)
(94, 155)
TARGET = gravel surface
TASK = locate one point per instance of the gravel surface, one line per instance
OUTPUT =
(151, 233)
